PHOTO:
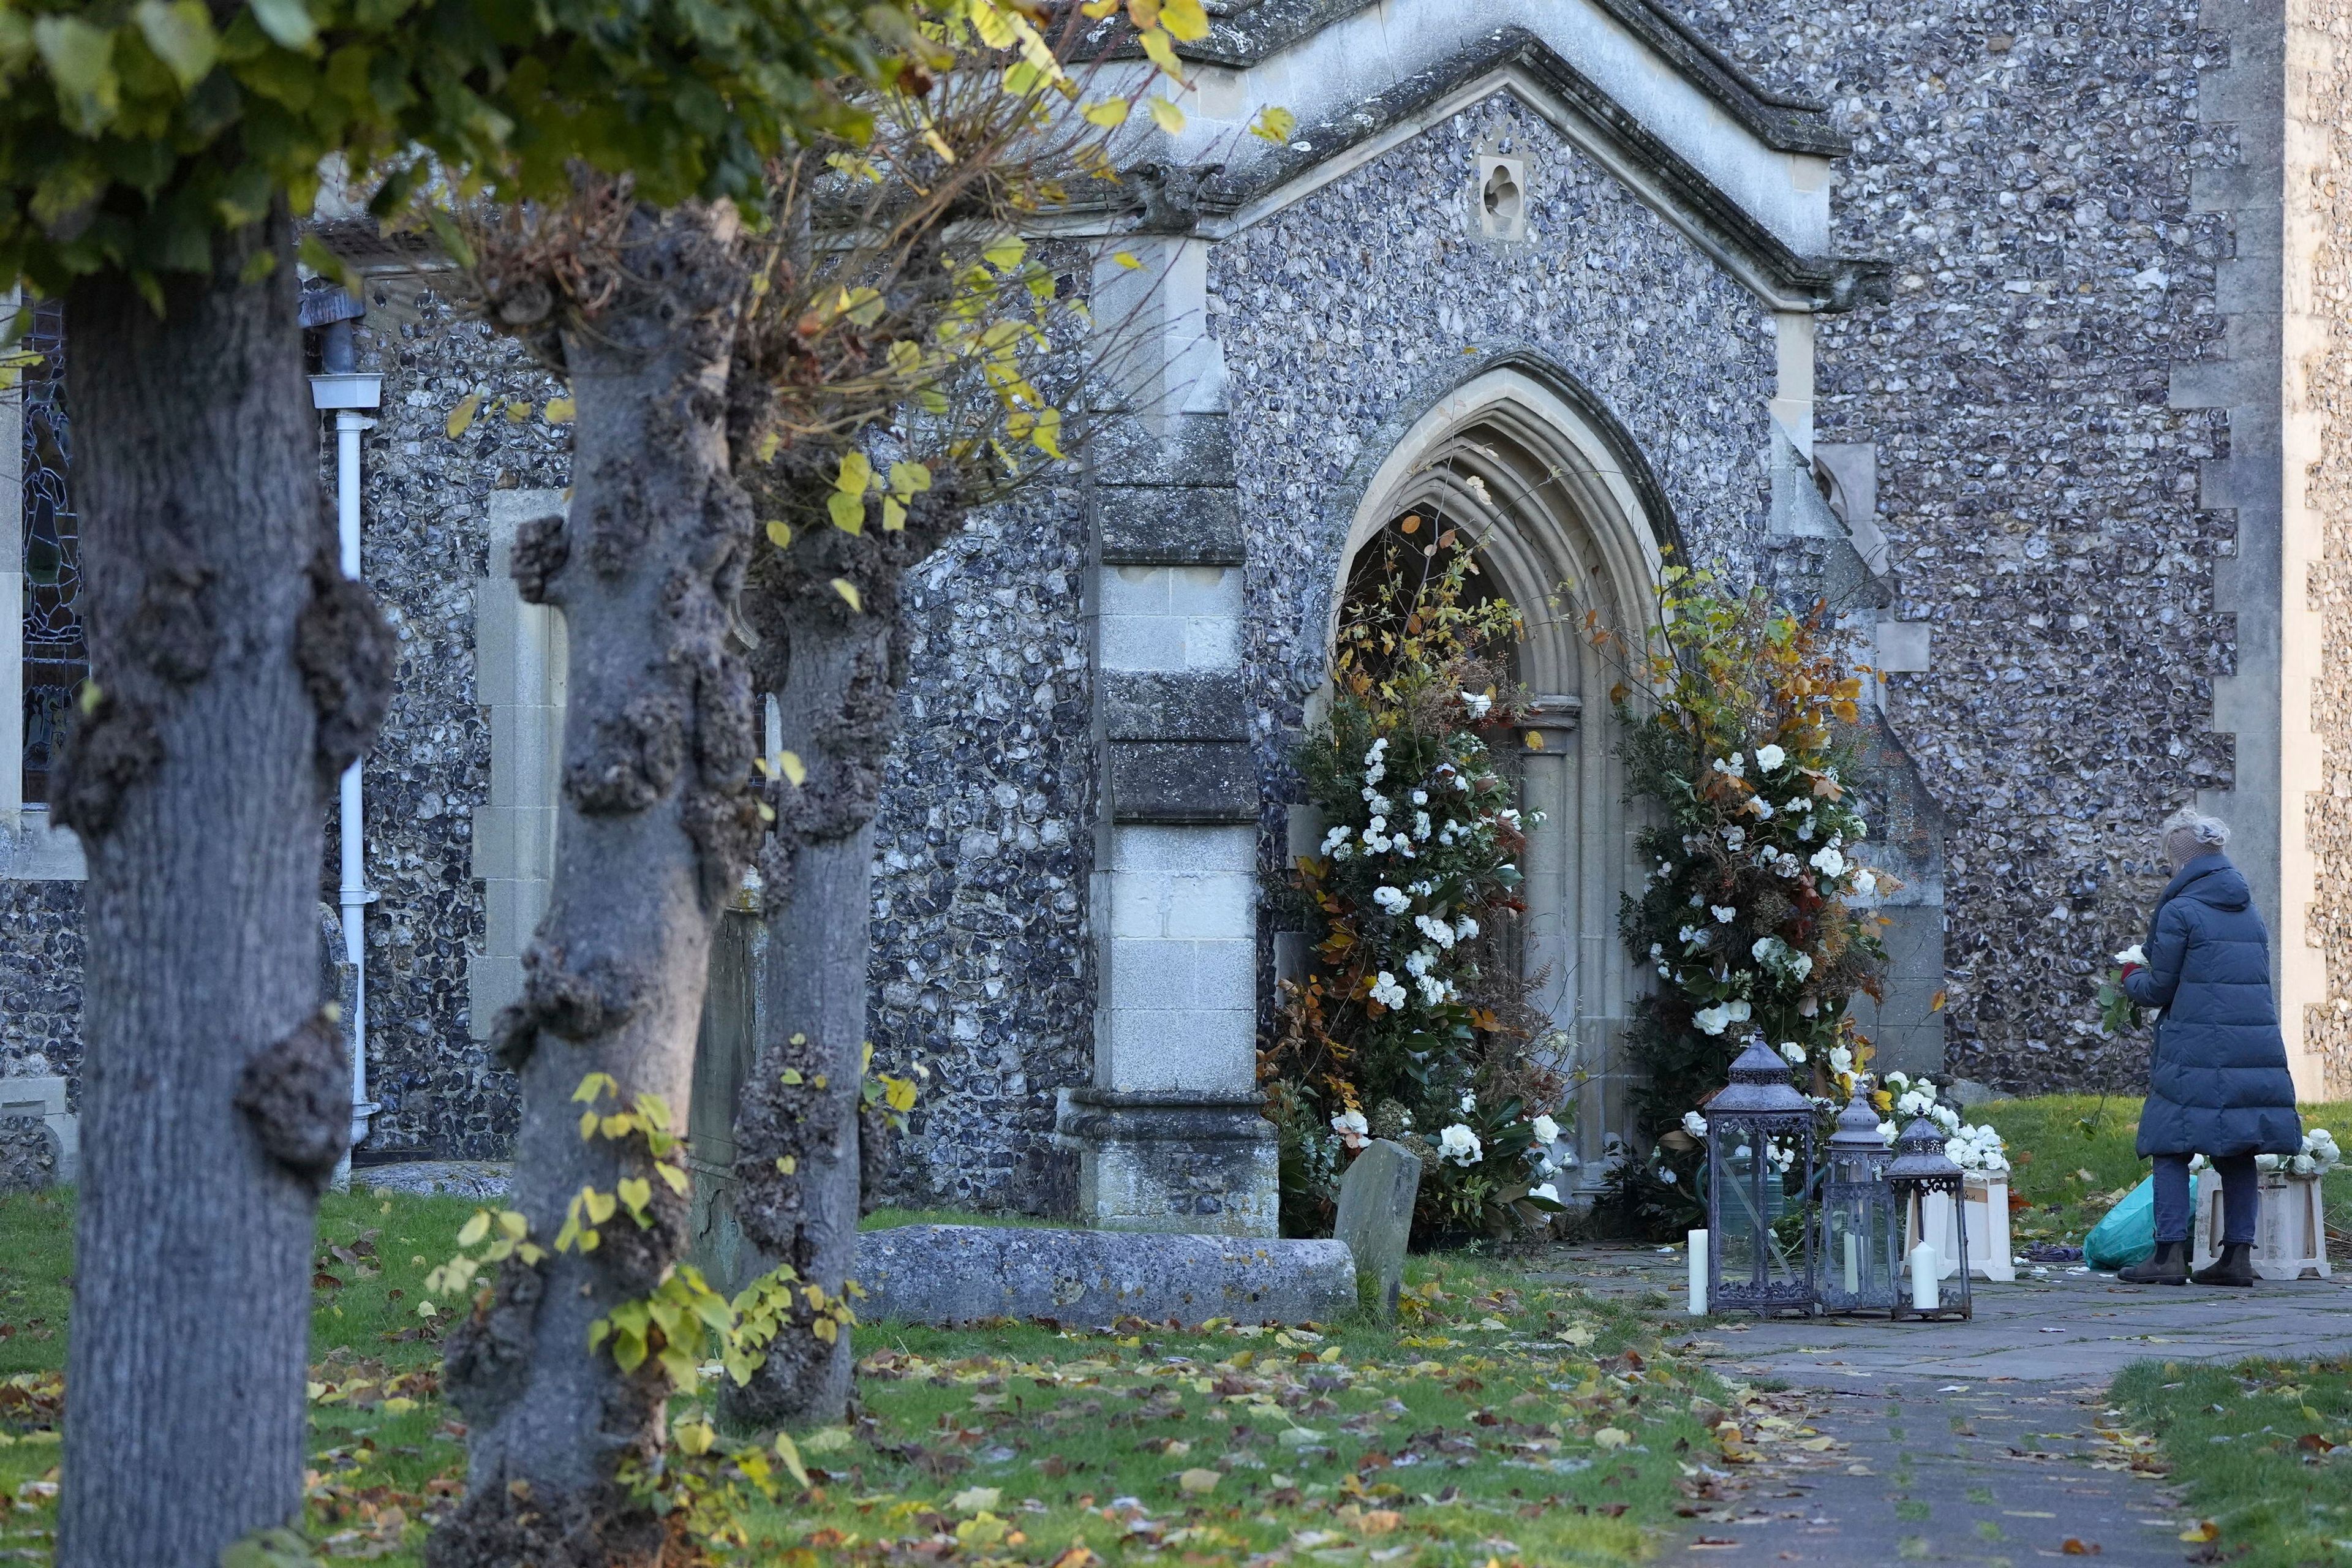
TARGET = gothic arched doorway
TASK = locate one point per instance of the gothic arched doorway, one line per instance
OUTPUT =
(1568, 533)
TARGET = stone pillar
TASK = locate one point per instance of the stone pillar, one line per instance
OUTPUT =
(1170, 1135)
(519, 676)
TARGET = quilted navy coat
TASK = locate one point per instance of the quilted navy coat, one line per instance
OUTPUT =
(2218, 1083)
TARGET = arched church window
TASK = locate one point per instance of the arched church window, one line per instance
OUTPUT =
(56, 657)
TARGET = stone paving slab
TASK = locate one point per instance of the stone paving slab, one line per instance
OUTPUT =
(1978, 1443)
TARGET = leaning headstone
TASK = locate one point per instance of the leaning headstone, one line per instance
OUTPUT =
(1376, 1199)
(965, 1273)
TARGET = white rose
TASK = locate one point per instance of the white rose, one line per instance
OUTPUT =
(1459, 1144)
(2132, 955)
(1769, 757)
(1724, 913)
(1695, 1124)
(1829, 862)
(1794, 1052)
(1712, 1020)
(1387, 992)
(1840, 1060)
(1469, 1103)
(1549, 1193)
(1865, 883)
(1547, 1130)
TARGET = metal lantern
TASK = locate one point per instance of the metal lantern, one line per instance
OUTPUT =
(1860, 1220)
(1753, 1267)
(1922, 1170)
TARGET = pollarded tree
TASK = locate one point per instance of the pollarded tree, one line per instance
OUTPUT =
(154, 158)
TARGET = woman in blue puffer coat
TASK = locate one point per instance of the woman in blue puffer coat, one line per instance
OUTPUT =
(2217, 1080)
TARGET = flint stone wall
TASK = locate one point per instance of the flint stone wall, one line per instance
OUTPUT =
(2027, 170)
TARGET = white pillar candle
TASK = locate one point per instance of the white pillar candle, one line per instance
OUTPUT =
(1698, 1273)
(1852, 1263)
(1924, 1295)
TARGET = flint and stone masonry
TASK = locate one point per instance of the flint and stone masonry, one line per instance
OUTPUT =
(2018, 334)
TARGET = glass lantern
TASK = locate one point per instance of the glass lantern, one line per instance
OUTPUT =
(1920, 1172)
(1760, 1167)
(1861, 1224)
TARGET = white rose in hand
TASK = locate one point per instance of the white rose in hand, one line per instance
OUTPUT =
(2132, 955)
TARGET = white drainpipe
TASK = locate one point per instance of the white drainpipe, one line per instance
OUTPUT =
(347, 393)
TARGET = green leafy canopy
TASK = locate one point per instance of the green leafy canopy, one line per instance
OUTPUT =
(133, 131)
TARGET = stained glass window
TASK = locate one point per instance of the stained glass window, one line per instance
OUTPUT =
(57, 660)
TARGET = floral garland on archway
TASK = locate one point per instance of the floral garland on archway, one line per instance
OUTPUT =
(1413, 1024)
(1731, 715)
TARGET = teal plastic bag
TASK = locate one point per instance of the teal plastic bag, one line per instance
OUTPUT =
(2128, 1236)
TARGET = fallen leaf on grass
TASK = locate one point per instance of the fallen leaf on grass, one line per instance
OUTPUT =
(1197, 1483)
(2203, 1530)
(2075, 1546)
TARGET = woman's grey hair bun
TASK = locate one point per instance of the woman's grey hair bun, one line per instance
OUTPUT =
(2209, 831)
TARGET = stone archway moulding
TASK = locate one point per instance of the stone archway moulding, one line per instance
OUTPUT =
(1567, 520)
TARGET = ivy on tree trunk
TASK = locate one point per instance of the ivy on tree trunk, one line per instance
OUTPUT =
(656, 825)
(237, 674)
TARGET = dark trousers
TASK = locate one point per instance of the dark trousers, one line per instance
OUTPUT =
(2242, 1197)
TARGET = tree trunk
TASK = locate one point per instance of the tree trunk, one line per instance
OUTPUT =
(656, 825)
(835, 700)
(239, 674)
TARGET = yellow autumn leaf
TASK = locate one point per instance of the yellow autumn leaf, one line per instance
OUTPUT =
(894, 515)
(1197, 1483)
(1163, 54)
(789, 1452)
(696, 1436)
(770, 444)
(1184, 20)
(515, 409)
(600, 1205)
(1274, 124)
(847, 511)
(1143, 12)
(780, 533)
(849, 595)
(461, 418)
(559, 410)
(1127, 259)
(857, 474)
(1006, 253)
(1109, 113)
(635, 1192)
(795, 772)
(910, 478)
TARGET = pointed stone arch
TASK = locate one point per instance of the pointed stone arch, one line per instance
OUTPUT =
(1570, 523)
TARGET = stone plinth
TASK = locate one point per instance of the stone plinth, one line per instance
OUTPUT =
(962, 1273)
(1180, 1161)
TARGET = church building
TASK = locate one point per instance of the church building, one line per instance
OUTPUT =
(2018, 334)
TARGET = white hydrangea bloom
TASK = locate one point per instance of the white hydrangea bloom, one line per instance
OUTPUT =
(1417, 962)
(1435, 930)
(1735, 837)
(1386, 991)
(1724, 913)
(1460, 1145)
(1433, 992)
(1734, 765)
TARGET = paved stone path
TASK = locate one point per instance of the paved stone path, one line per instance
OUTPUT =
(1988, 1442)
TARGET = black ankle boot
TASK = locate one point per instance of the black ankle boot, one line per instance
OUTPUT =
(2234, 1267)
(2169, 1265)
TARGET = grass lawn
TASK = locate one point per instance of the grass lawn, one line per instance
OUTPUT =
(1511, 1420)
(2258, 1451)
(2073, 1160)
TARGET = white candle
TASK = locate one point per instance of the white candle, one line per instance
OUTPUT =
(1852, 1263)
(1698, 1273)
(1925, 1295)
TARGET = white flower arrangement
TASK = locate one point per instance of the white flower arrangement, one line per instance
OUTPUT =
(1393, 900)
(1352, 1129)
(1975, 1148)
(2317, 1156)
(1435, 930)
(1387, 992)
(1459, 1145)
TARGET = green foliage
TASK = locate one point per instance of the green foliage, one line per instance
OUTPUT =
(1732, 739)
(1412, 1025)
(131, 134)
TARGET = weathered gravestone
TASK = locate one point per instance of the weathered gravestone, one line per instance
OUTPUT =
(962, 1273)
(1376, 1199)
